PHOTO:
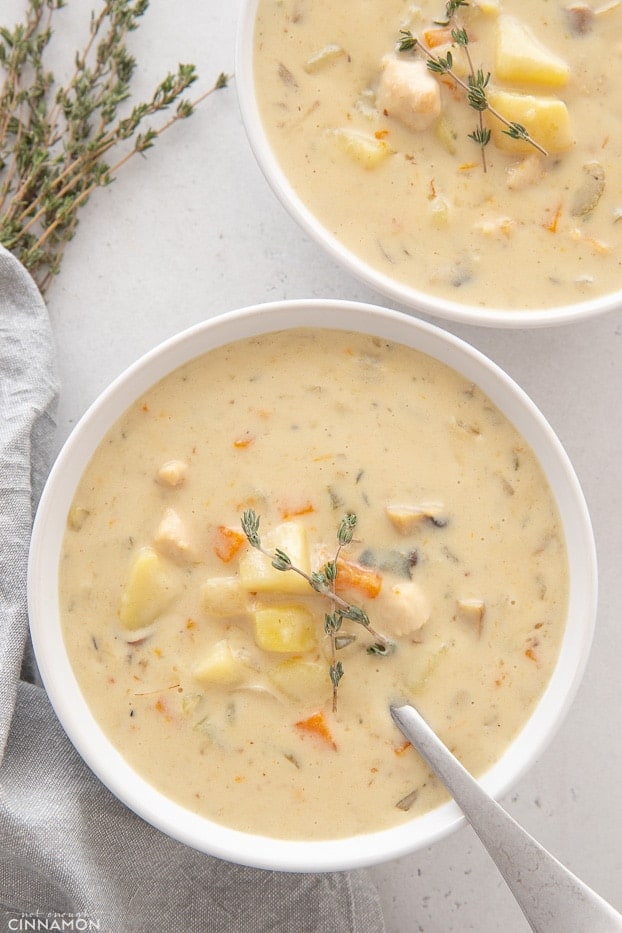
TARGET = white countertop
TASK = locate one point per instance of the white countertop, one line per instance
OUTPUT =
(193, 231)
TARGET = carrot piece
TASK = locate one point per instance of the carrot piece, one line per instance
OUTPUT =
(302, 508)
(227, 542)
(551, 225)
(244, 441)
(351, 575)
(317, 725)
(435, 37)
(400, 749)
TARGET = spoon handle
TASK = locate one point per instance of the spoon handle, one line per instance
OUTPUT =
(551, 897)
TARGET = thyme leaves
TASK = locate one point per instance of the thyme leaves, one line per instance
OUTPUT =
(57, 140)
(323, 581)
(474, 86)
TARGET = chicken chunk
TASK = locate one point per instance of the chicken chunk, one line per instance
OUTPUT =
(172, 540)
(406, 608)
(172, 473)
(408, 93)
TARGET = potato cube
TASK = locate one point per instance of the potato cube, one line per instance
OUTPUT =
(286, 629)
(149, 590)
(257, 574)
(546, 119)
(305, 682)
(220, 666)
(223, 596)
(367, 151)
(521, 57)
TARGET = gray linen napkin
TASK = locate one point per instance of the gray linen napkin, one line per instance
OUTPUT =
(72, 857)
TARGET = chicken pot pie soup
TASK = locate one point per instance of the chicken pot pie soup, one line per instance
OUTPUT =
(365, 108)
(217, 670)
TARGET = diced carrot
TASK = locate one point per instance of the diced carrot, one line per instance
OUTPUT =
(227, 542)
(351, 575)
(381, 134)
(531, 654)
(245, 440)
(439, 36)
(317, 725)
(551, 225)
(302, 508)
(402, 748)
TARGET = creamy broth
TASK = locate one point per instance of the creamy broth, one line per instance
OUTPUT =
(532, 231)
(458, 557)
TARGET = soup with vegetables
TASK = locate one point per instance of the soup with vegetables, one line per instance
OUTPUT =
(282, 538)
(374, 112)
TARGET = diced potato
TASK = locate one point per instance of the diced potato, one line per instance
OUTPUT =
(409, 93)
(220, 666)
(286, 629)
(522, 58)
(546, 119)
(306, 682)
(77, 517)
(488, 7)
(368, 151)
(171, 538)
(224, 596)
(257, 574)
(149, 591)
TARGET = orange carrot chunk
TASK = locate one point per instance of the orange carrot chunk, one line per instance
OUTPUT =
(351, 575)
(435, 37)
(227, 542)
(317, 725)
(299, 508)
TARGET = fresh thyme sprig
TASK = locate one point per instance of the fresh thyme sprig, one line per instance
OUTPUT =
(323, 581)
(475, 85)
(55, 140)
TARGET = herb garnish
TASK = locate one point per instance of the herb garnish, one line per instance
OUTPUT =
(323, 582)
(475, 85)
(53, 139)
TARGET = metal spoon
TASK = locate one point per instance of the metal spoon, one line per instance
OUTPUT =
(552, 898)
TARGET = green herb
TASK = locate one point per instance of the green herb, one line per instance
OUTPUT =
(475, 85)
(58, 143)
(323, 582)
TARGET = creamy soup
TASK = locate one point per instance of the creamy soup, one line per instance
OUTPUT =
(378, 147)
(210, 668)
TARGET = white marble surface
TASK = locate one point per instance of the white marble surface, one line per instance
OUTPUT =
(193, 231)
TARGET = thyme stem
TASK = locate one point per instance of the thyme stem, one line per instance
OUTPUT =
(54, 139)
(323, 582)
(474, 87)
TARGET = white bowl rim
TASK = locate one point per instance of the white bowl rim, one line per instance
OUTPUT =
(60, 682)
(409, 297)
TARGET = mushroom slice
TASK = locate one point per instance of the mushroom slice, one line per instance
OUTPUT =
(405, 518)
(587, 196)
(471, 611)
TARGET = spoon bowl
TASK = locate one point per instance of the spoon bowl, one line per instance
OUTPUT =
(551, 897)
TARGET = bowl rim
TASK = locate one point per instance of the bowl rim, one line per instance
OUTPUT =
(407, 296)
(42, 587)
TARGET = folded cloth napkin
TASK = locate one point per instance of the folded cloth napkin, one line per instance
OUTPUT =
(72, 857)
